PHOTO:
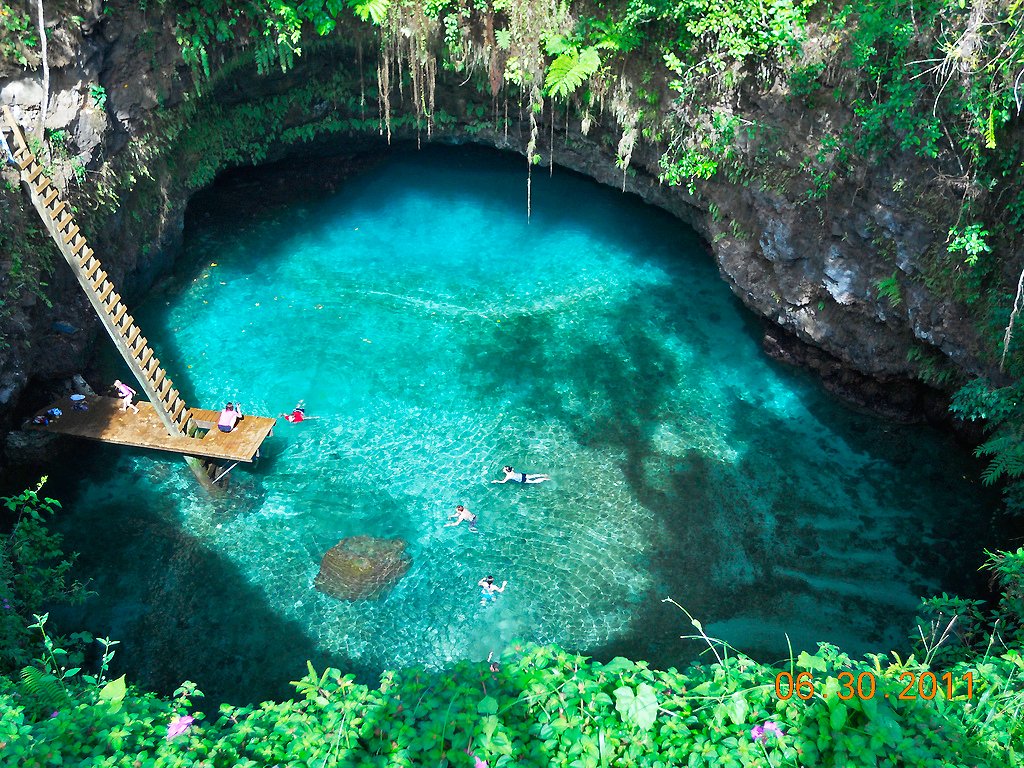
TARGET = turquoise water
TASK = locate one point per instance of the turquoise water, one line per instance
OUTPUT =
(436, 334)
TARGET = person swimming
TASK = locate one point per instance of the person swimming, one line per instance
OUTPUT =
(461, 513)
(489, 590)
(521, 477)
(298, 413)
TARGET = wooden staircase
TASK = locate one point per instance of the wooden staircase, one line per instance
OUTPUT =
(103, 295)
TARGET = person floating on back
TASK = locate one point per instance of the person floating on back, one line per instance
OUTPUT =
(489, 590)
(231, 415)
(520, 477)
(461, 513)
(126, 394)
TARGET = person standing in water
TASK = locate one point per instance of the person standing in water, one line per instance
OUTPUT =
(229, 417)
(489, 590)
(126, 394)
(461, 513)
(520, 477)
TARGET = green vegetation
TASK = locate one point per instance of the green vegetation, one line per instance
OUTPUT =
(953, 704)
(938, 80)
(18, 35)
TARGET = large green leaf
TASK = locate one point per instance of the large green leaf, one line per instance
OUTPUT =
(639, 708)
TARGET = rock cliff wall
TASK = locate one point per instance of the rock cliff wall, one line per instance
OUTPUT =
(811, 267)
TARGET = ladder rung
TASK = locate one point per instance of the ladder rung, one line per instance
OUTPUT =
(145, 357)
(27, 161)
(139, 346)
(92, 270)
(42, 185)
(153, 367)
(126, 324)
(114, 303)
(34, 175)
(178, 409)
(56, 211)
(133, 334)
(118, 314)
(170, 397)
(50, 197)
(164, 388)
(77, 245)
(160, 376)
(85, 258)
(106, 292)
(64, 222)
(71, 235)
(98, 280)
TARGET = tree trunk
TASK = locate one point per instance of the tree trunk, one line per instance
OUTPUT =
(46, 74)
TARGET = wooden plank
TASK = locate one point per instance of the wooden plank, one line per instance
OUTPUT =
(98, 280)
(147, 353)
(106, 291)
(27, 161)
(63, 223)
(119, 314)
(139, 346)
(78, 245)
(50, 197)
(92, 270)
(34, 175)
(71, 235)
(160, 375)
(84, 259)
(106, 422)
(56, 211)
(133, 334)
(42, 185)
(114, 303)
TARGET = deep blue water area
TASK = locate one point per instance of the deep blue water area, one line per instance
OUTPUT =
(437, 334)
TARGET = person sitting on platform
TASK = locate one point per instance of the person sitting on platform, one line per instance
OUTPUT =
(231, 415)
(126, 394)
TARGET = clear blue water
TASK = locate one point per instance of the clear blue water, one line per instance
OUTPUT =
(436, 334)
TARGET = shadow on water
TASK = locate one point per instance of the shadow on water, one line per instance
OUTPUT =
(181, 609)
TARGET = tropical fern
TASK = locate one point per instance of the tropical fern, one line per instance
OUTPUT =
(43, 687)
(1007, 452)
(570, 69)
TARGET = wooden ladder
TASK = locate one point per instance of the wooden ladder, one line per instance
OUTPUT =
(119, 323)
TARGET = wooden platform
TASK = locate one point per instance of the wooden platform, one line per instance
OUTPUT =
(106, 422)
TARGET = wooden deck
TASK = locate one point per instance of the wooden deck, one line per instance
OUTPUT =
(106, 422)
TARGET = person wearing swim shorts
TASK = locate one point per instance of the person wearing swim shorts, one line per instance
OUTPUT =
(462, 514)
(126, 394)
(489, 590)
(521, 477)
(230, 416)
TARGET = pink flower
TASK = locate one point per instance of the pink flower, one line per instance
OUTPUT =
(178, 726)
(761, 732)
(479, 763)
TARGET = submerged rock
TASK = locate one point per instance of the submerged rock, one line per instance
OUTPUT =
(362, 567)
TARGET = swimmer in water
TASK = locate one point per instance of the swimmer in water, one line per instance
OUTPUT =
(489, 590)
(462, 514)
(520, 477)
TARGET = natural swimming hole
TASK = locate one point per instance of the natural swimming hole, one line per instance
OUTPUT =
(436, 335)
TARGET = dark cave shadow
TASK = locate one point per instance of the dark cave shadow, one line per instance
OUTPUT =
(192, 614)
